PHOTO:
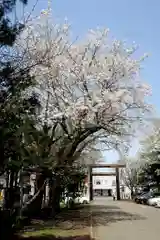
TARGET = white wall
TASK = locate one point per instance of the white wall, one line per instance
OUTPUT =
(106, 182)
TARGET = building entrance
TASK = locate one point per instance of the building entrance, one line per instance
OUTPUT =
(109, 192)
(104, 192)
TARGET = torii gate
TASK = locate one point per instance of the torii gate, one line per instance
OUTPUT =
(116, 173)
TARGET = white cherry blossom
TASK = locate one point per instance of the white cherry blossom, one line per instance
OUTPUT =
(96, 81)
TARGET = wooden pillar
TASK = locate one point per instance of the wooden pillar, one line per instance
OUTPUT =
(90, 183)
(118, 184)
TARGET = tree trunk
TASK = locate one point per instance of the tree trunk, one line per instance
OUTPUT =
(16, 179)
(9, 192)
(132, 193)
(55, 195)
(56, 199)
(7, 179)
(34, 208)
(51, 189)
(6, 221)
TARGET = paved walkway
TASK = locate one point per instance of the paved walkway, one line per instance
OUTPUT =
(121, 220)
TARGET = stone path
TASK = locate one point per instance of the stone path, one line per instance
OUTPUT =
(121, 220)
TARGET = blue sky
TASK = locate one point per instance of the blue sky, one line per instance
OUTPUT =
(131, 20)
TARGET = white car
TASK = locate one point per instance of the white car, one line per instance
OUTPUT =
(158, 204)
(81, 200)
(153, 201)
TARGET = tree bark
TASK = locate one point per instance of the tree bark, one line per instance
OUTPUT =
(132, 193)
(56, 199)
(9, 192)
(55, 195)
(34, 208)
(16, 179)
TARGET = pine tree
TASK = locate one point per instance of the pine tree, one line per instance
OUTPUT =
(14, 79)
(15, 110)
(8, 30)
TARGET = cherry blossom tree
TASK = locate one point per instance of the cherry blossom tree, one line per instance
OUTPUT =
(130, 174)
(90, 92)
(149, 156)
(88, 89)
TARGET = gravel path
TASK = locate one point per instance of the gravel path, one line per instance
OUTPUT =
(121, 220)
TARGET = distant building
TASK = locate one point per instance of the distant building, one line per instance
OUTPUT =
(104, 185)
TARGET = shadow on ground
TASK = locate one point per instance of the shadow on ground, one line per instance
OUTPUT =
(97, 215)
(51, 237)
(102, 207)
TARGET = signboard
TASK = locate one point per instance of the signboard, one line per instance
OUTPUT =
(1, 195)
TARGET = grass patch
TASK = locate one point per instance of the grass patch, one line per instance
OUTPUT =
(57, 232)
(67, 225)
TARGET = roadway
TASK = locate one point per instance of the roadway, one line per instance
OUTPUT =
(120, 220)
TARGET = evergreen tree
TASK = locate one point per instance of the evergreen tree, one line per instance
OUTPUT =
(8, 30)
(14, 80)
